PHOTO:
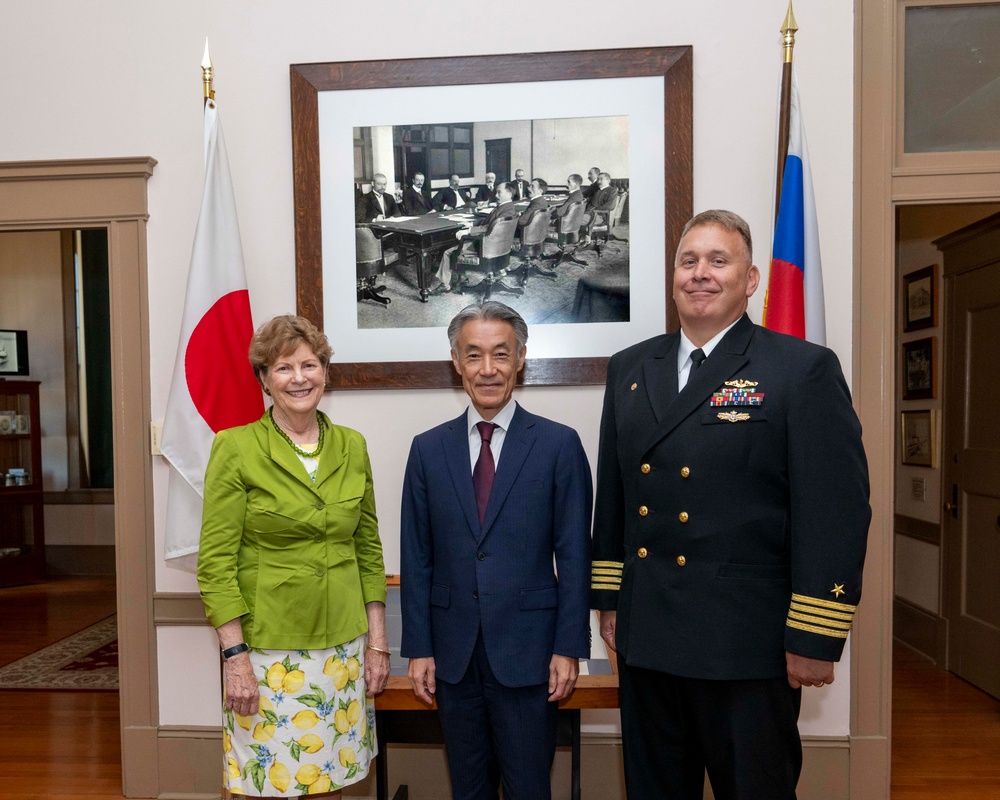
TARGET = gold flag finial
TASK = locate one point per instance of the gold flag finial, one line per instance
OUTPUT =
(788, 29)
(206, 74)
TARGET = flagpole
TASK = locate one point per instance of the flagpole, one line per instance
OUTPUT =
(207, 74)
(788, 30)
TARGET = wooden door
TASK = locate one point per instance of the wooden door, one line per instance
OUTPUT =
(971, 463)
(498, 158)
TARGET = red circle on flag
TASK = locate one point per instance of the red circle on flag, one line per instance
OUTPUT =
(219, 377)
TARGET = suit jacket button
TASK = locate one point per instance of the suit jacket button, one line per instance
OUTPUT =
(685, 472)
(481, 556)
(642, 552)
(634, 386)
(320, 505)
(319, 572)
(645, 468)
(475, 595)
(643, 511)
(681, 561)
(683, 516)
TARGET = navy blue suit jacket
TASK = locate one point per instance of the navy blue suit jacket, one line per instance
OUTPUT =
(460, 576)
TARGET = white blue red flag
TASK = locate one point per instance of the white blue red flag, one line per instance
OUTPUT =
(213, 386)
(795, 282)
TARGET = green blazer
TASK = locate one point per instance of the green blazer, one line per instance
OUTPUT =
(296, 560)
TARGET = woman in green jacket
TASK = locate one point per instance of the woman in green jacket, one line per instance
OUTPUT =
(290, 569)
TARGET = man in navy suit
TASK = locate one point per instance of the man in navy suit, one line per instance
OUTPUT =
(730, 531)
(490, 631)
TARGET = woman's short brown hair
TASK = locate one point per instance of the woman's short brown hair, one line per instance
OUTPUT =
(281, 336)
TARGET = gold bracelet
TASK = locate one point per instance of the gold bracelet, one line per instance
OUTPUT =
(379, 650)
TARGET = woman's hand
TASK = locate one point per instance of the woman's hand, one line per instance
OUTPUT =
(242, 695)
(377, 652)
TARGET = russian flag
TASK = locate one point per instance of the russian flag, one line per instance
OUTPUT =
(795, 283)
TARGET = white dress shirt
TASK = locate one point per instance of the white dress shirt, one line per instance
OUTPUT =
(686, 347)
(501, 420)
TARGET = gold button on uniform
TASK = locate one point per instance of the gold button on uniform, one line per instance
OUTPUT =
(685, 472)
(643, 511)
(681, 561)
(633, 386)
(683, 516)
(645, 469)
(642, 552)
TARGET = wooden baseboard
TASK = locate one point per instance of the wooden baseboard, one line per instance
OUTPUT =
(80, 559)
(922, 630)
(190, 768)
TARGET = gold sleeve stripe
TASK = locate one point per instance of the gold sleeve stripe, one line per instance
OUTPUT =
(813, 629)
(612, 564)
(818, 601)
(596, 571)
(844, 626)
(611, 587)
(821, 613)
(606, 579)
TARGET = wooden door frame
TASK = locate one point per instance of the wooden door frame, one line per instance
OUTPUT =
(111, 194)
(886, 178)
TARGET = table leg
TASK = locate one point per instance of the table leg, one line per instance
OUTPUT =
(575, 733)
(381, 760)
(422, 268)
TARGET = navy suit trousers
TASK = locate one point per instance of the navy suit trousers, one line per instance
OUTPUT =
(494, 732)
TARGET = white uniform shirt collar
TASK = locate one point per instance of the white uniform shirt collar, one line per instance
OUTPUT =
(686, 347)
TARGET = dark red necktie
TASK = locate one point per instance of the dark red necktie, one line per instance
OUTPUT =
(482, 475)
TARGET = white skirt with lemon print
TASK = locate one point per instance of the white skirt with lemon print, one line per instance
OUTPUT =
(314, 731)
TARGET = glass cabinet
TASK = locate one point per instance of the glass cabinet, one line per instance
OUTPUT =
(22, 531)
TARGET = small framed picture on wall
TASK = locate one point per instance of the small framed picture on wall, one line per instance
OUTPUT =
(919, 369)
(918, 438)
(920, 299)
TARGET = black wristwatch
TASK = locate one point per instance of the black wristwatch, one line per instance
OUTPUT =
(235, 650)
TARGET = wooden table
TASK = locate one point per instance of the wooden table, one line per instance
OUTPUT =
(400, 718)
(423, 236)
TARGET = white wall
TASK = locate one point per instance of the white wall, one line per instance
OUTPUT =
(122, 78)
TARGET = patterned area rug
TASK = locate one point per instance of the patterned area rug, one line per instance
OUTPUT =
(87, 660)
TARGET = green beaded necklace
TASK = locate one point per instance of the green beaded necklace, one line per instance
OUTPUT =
(321, 424)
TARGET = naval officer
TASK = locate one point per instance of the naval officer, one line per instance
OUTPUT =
(731, 518)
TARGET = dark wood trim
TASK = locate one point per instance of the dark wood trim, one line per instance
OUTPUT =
(80, 497)
(178, 608)
(924, 631)
(674, 64)
(917, 529)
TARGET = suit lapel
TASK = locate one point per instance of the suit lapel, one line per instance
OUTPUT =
(660, 373)
(517, 444)
(283, 455)
(332, 457)
(456, 454)
(728, 357)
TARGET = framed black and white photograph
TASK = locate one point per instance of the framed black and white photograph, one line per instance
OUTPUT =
(920, 299)
(918, 438)
(13, 352)
(919, 369)
(395, 162)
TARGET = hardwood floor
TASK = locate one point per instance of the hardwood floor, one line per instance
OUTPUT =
(67, 745)
(57, 745)
(945, 734)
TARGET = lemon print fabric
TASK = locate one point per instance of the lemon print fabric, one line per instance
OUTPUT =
(314, 730)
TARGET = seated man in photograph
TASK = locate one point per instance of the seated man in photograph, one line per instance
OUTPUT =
(505, 206)
(536, 191)
(452, 196)
(592, 176)
(415, 202)
(377, 204)
(575, 196)
(488, 193)
(520, 186)
(603, 200)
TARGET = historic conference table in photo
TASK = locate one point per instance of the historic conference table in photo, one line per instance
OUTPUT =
(400, 718)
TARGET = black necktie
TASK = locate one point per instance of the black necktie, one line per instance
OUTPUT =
(482, 475)
(697, 356)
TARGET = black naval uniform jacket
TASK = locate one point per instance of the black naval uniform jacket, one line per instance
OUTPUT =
(728, 533)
